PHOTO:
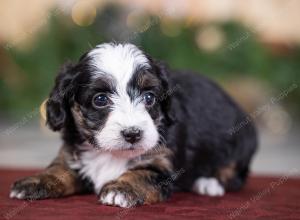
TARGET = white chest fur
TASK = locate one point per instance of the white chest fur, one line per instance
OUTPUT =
(100, 167)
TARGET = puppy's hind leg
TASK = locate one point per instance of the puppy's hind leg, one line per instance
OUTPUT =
(226, 178)
(217, 184)
(209, 186)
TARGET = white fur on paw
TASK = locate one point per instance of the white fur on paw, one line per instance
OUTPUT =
(16, 194)
(208, 186)
(115, 199)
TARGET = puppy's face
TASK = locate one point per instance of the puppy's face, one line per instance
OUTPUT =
(115, 99)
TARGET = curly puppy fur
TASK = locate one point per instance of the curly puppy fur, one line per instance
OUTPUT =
(134, 131)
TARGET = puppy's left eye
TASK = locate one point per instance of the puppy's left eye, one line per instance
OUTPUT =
(149, 99)
(100, 100)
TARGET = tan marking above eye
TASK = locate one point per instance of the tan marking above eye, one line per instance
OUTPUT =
(147, 80)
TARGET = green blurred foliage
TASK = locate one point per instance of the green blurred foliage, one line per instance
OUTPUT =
(62, 40)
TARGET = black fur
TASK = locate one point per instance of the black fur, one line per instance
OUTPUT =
(201, 138)
(198, 117)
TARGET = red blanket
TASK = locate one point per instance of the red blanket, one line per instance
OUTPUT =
(262, 198)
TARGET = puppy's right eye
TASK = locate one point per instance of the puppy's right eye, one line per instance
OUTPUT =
(100, 100)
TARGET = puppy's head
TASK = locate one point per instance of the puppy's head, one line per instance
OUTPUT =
(114, 97)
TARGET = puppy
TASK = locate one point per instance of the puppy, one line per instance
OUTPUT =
(134, 131)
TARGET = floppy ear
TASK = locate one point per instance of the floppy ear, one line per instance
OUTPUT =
(57, 106)
(162, 73)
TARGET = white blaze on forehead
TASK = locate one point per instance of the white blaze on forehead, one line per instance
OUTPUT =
(118, 60)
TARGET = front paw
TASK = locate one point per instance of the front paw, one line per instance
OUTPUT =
(120, 194)
(37, 187)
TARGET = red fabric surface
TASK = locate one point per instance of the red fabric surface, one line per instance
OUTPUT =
(262, 198)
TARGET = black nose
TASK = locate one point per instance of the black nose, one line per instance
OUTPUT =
(132, 134)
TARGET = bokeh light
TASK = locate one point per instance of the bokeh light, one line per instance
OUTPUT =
(138, 21)
(210, 38)
(170, 28)
(83, 13)
(43, 110)
(279, 121)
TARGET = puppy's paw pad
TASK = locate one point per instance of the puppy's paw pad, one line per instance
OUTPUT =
(208, 186)
(116, 199)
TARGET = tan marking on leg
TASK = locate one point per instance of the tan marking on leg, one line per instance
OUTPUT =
(226, 173)
(140, 185)
(56, 180)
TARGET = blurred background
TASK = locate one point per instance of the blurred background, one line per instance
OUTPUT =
(252, 48)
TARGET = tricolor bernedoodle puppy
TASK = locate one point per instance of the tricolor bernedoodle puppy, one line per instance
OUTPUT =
(134, 131)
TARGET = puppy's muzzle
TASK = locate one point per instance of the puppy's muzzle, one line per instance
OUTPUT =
(132, 134)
